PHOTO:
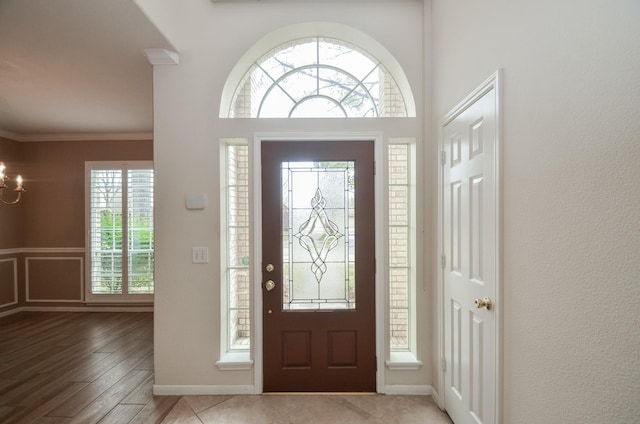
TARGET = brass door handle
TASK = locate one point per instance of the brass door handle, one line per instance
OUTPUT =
(269, 285)
(485, 302)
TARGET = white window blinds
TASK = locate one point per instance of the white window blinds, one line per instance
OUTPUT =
(121, 238)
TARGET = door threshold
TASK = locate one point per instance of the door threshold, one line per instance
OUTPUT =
(319, 394)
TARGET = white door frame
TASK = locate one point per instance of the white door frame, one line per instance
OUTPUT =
(256, 219)
(492, 83)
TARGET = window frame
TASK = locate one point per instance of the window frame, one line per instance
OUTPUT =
(125, 297)
(231, 359)
(322, 45)
(406, 358)
(339, 32)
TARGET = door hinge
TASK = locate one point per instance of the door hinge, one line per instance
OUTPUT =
(443, 364)
(443, 261)
(374, 167)
(443, 158)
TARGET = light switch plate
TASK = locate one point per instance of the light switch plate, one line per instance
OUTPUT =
(200, 255)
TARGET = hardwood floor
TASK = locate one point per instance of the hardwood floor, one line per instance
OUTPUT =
(79, 368)
(98, 368)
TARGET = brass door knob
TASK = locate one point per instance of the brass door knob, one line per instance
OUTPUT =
(485, 302)
(269, 285)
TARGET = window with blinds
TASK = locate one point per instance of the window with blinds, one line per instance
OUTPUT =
(120, 230)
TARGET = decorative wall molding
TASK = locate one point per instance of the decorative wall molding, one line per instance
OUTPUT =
(15, 281)
(80, 298)
(53, 250)
(35, 250)
(5, 252)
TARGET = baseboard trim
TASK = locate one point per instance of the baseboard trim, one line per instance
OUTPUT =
(77, 309)
(87, 309)
(10, 312)
(436, 398)
(401, 389)
(177, 390)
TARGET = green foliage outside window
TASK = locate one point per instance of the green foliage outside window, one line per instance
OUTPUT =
(141, 253)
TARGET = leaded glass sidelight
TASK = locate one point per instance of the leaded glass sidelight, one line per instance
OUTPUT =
(318, 235)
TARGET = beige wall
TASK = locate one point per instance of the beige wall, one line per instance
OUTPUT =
(571, 192)
(187, 133)
(48, 237)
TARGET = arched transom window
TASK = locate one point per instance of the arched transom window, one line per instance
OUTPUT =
(317, 77)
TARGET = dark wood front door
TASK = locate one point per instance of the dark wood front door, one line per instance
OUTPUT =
(318, 266)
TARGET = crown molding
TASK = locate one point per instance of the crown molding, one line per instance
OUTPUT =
(102, 136)
(162, 57)
(9, 135)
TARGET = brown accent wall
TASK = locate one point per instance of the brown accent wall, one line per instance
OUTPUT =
(54, 279)
(11, 216)
(50, 218)
(8, 281)
(54, 207)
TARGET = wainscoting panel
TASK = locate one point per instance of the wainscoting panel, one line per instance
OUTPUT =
(54, 279)
(8, 282)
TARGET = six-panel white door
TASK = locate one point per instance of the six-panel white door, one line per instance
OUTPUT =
(470, 264)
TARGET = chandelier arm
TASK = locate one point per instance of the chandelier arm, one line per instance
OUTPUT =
(11, 203)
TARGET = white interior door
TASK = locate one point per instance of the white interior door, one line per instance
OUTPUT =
(470, 257)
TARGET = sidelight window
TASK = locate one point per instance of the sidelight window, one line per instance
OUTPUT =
(400, 247)
(236, 252)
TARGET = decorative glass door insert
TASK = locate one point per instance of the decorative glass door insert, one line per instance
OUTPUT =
(318, 235)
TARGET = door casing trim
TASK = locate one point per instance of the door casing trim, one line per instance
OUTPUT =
(491, 83)
(255, 194)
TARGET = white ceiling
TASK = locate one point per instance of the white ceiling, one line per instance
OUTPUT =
(75, 67)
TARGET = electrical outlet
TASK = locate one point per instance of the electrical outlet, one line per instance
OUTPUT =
(200, 255)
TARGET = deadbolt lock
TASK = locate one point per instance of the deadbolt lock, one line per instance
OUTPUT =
(270, 267)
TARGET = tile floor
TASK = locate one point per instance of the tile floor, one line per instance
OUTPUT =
(306, 409)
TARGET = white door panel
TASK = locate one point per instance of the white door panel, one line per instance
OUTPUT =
(469, 244)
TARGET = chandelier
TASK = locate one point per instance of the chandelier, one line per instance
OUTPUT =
(3, 184)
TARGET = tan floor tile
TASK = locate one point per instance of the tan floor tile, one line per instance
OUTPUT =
(306, 409)
(181, 414)
(250, 409)
(201, 403)
(317, 409)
